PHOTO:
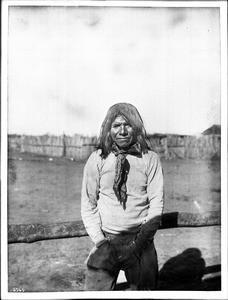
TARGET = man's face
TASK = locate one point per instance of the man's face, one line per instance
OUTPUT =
(121, 132)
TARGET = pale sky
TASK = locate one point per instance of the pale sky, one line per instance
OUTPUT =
(68, 65)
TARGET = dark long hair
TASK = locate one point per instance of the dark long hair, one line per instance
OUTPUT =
(129, 112)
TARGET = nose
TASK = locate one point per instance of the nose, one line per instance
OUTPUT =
(123, 130)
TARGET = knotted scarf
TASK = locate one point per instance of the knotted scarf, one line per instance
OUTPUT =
(122, 169)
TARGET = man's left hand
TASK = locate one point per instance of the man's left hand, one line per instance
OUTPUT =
(131, 255)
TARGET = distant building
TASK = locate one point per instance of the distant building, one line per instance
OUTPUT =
(215, 129)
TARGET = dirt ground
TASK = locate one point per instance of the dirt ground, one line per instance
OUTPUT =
(47, 190)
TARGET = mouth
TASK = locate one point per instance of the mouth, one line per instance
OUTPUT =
(123, 139)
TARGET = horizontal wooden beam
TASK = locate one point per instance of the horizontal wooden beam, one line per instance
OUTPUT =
(36, 232)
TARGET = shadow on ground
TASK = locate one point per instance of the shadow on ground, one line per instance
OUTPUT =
(187, 271)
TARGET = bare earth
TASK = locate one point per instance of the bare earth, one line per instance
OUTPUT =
(47, 191)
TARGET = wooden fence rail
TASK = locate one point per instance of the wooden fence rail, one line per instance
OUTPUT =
(36, 232)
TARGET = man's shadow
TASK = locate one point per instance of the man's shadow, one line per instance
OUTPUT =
(188, 271)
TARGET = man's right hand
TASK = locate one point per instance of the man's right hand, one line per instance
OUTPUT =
(103, 257)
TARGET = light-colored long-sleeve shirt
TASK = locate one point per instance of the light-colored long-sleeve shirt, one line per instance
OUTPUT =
(100, 208)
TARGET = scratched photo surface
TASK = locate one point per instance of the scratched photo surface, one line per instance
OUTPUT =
(66, 66)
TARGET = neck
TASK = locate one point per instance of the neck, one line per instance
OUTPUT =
(131, 149)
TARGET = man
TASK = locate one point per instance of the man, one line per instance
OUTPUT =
(122, 203)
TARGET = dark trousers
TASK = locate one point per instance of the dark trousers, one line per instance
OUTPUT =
(143, 275)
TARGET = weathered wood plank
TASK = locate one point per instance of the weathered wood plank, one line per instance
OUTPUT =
(36, 232)
(185, 219)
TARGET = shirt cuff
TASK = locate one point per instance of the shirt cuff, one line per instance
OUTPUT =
(99, 239)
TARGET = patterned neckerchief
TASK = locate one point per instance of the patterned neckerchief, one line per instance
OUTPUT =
(122, 169)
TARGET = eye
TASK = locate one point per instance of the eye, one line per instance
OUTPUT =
(128, 126)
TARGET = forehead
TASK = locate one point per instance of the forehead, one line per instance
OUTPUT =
(120, 119)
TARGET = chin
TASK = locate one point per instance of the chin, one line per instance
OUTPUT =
(124, 145)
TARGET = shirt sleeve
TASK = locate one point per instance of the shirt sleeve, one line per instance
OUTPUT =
(155, 191)
(89, 197)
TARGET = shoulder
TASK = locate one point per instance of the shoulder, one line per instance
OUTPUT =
(96, 153)
(151, 159)
(151, 156)
(152, 162)
(94, 158)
